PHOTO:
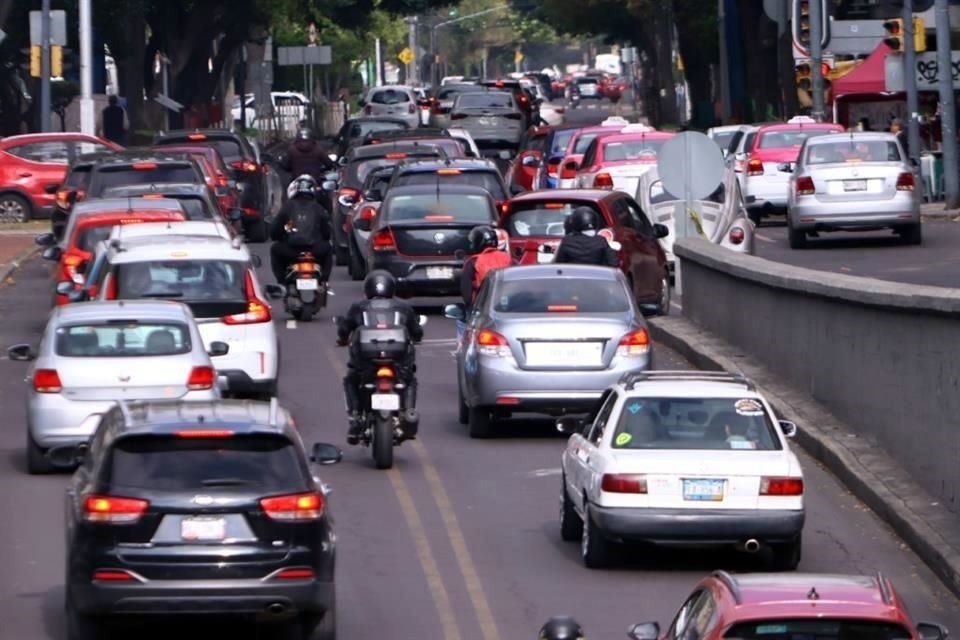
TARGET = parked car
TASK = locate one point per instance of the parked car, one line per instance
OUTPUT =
(394, 101)
(209, 508)
(92, 355)
(355, 130)
(682, 457)
(33, 168)
(619, 161)
(546, 339)
(492, 118)
(442, 101)
(852, 182)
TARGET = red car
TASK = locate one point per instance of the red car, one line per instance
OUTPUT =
(215, 173)
(619, 161)
(613, 89)
(578, 145)
(534, 221)
(523, 169)
(32, 168)
(797, 606)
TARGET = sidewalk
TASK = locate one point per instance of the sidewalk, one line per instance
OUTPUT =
(15, 248)
(935, 210)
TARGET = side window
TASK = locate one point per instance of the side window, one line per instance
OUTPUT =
(482, 297)
(603, 416)
(590, 155)
(623, 214)
(640, 220)
(51, 151)
(684, 627)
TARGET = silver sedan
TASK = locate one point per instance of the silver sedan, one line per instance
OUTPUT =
(856, 181)
(94, 354)
(546, 339)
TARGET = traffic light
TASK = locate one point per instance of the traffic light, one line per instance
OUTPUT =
(56, 61)
(35, 61)
(800, 23)
(919, 34)
(894, 38)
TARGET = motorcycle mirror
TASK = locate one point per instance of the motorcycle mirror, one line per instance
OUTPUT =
(333, 157)
(325, 453)
(423, 320)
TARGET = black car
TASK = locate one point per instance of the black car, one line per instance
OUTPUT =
(477, 172)
(380, 137)
(249, 170)
(74, 188)
(135, 166)
(355, 130)
(420, 235)
(182, 508)
(197, 202)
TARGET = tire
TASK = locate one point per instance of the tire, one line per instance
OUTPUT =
(37, 463)
(663, 305)
(463, 413)
(481, 422)
(323, 629)
(571, 526)
(256, 231)
(594, 548)
(382, 446)
(81, 627)
(305, 312)
(355, 266)
(342, 255)
(786, 556)
(912, 234)
(797, 239)
(14, 208)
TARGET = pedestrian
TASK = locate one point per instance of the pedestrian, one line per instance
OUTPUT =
(113, 122)
(896, 128)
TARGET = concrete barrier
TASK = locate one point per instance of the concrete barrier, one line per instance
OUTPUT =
(883, 357)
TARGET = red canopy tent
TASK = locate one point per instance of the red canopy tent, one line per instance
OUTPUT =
(865, 84)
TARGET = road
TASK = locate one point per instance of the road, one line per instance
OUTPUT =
(459, 542)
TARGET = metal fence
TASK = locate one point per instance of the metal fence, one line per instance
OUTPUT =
(324, 118)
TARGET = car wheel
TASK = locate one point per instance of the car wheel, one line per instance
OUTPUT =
(481, 422)
(355, 265)
(463, 413)
(571, 526)
(37, 463)
(14, 208)
(796, 238)
(256, 231)
(324, 628)
(663, 306)
(786, 556)
(594, 548)
(82, 627)
(912, 234)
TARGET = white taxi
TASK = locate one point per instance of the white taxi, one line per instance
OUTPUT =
(682, 457)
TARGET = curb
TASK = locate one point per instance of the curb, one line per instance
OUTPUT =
(9, 268)
(871, 474)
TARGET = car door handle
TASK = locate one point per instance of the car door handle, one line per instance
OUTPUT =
(24, 174)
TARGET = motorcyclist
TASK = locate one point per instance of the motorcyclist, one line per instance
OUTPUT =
(306, 155)
(582, 244)
(302, 225)
(379, 288)
(561, 628)
(488, 250)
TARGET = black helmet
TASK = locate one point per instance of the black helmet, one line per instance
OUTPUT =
(583, 219)
(379, 284)
(482, 237)
(561, 628)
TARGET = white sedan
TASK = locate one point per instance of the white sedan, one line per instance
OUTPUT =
(682, 457)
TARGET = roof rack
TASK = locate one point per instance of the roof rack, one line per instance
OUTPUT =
(631, 378)
(884, 589)
(731, 583)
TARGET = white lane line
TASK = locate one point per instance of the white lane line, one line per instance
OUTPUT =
(439, 341)
(545, 473)
(291, 324)
(676, 305)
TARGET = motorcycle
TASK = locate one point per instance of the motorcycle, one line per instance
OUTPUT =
(304, 290)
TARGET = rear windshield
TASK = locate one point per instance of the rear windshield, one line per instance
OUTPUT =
(790, 138)
(817, 629)
(587, 81)
(853, 151)
(123, 176)
(122, 339)
(543, 219)
(186, 280)
(485, 179)
(390, 96)
(230, 150)
(448, 93)
(561, 295)
(78, 177)
(632, 150)
(89, 237)
(195, 208)
(365, 168)
(443, 207)
(492, 100)
(362, 128)
(262, 464)
(695, 423)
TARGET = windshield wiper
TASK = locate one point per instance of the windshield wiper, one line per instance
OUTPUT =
(223, 482)
(157, 294)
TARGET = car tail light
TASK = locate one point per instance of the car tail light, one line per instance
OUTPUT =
(491, 343)
(71, 262)
(201, 378)
(513, 116)
(457, 116)
(113, 510)
(197, 136)
(296, 507)
(755, 168)
(623, 483)
(569, 171)
(245, 165)
(205, 433)
(383, 240)
(736, 235)
(223, 181)
(144, 166)
(603, 181)
(805, 186)
(46, 381)
(257, 310)
(367, 213)
(635, 343)
(905, 182)
(781, 486)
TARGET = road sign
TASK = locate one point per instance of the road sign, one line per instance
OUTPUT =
(58, 27)
(406, 56)
(290, 56)
(690, 165)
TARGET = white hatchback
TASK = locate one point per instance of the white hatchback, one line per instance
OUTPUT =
(682, 457)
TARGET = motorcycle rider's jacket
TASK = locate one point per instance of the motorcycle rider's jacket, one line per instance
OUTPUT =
(476, 268)
(308, 156)
(378, 314)
(582, 249)
(301, 222)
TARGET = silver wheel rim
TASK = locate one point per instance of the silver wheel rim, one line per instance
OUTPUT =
(11, 211)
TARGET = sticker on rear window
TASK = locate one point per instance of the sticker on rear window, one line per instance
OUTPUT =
(635, 408)
(771, 628)
(748, 407)
(623, 439)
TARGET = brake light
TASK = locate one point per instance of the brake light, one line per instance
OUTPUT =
(457, 116)
(201, 378)
(257, 310)
(197, 136)
(144, 166)
(561, 307)
(296, 507)
(304, 267)
(383, 240)
(781, 486)
(394, 156)
(513, 116)
(491, 343)
(46, 381)
(204, 433)
(113, 510)
(223, 181)
(603, 181)
(736, 235)
(503, 207)
(635, 343)
(755, 168)
(805, 186)
(554, 205)
(385, 372)
(245, 165)
(623, 483)
(153, 196)
(905, 182)
(367, 213)
(448, 172)
(438, 218)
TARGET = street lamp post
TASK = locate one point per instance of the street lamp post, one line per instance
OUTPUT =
(434, 66)
(87, 118)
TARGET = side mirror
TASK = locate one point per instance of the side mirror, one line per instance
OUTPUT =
(67, 457)
(65, 287)
(931, 631)
(256, 261)
(333, 157)
(644, 631)
(218, 348)
(325, 453)
(51, 189)
(373, 195)
(661, 230)
(329, 185)
(530, 161)
(45, 240)
(52, 253)
(455, 312)
(785, 167)
(21, 352)
(789, 428)
(569, 425)
(422, 319)
(275, 291)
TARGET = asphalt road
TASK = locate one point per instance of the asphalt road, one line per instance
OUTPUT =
(459, 541)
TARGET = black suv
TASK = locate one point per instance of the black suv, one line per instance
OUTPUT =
(198, 508)
(477, 172)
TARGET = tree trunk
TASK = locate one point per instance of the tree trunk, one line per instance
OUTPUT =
(697, 31)
(665, 84)
(760, 48)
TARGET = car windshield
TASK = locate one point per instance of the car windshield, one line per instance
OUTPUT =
(485, 179)
(193, 280)
(695, 423)
(852, 150)
(586, 81)
(790, 138)
(390, 96)
(631, 150)
(561, 295)
(88, 237)
(263, 464)
(122, 339)
(560, 141)
(362, 128)
(122, 176)
(440, 207)
(724, 138)
(542, 218)
(817, 629)
(583, 142)
(491, 100)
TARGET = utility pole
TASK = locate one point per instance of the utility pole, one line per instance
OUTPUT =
(45, 67)
(87, 118)
(816, 57)
(724, 62)
(412, 43)
(947, 106)
(434, 68)
(910, 83)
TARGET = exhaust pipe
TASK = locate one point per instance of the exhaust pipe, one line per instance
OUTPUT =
(751, 546)
(276, 609)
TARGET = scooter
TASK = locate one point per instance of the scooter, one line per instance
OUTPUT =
(305, 290)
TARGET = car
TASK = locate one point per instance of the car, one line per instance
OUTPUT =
(525, 101)
(765, 185)
(728, 136)
(578, 145)
(420, 235)
(289, 107)
(478, 172)
(442, 101)
(139, 167)
(546, 339)
(552, 115)
(438, 137)
(360, 219)
(619, 161)
(215, 172)
(251, 170)
(614, 88)
(470, 148)
(492, 118)
(33, 167)
(355, 130)
(792, 606)
(395, 101)
(216, 277)
(681, 458)
(547, 175)
(523, 169)
(854, 181)
(197, 201)
(90, 223)
(589, 87)
(93, 354)
(73, 190)
(211, 508)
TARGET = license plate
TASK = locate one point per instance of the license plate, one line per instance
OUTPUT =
(703, 490)
(307, 284)
(201, 529)
(485, 122)
(854, 185)
(564, 354)
(543, 257)
(385, 402)
(440, 273)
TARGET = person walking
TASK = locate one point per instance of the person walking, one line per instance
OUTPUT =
(113, 122)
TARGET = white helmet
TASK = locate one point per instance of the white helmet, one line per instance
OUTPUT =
(302, 185)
